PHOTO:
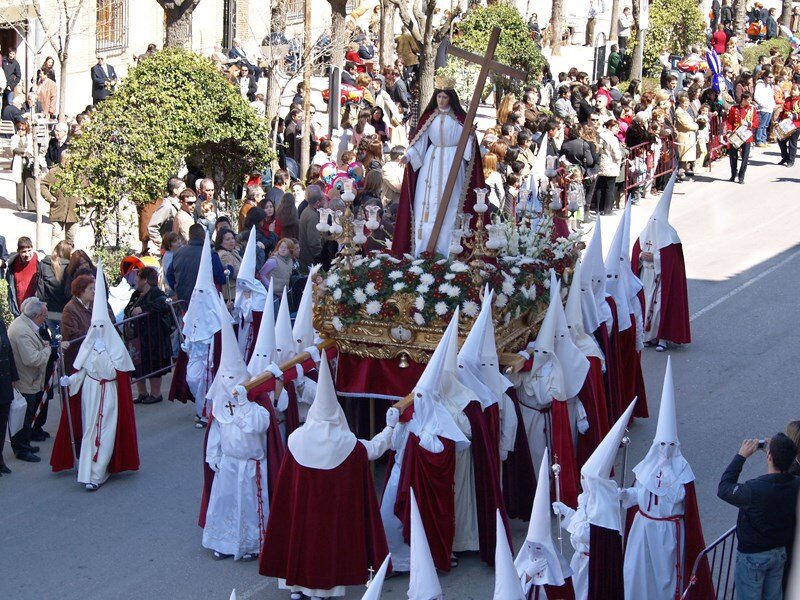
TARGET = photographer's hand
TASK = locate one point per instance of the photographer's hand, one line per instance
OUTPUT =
(749, 447)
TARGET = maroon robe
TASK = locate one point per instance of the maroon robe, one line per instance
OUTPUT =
(432, 475)
(693, 545)
(606, 580)
(553, 592)
(609, 344)
(673, 324)
(324, 527)
(631, 371)
(519, 477)
(126, 446)
(563, 452)
(593, 398)
(488, 494)
(178, 388)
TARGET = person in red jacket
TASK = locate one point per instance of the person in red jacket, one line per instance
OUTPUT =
(791, 110)
(745, 114)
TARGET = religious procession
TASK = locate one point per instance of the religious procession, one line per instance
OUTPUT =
(443, 299)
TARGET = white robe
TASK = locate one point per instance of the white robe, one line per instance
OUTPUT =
(432, 156)
(577, 525)
(236, 449)
(650, 276)
(98, 366)
(401, 553)
(198, 373)
(652, 546)
(534, 392)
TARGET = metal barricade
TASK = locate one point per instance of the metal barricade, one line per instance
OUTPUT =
(720, 555)
(643, 169)
(716, 129)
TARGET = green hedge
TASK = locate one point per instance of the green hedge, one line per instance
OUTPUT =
(5, 313)
(752, 53)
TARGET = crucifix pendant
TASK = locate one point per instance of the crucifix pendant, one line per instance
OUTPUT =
(229, 406)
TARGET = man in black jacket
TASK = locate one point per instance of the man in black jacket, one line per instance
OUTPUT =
(104, 78)
(767, 513)
(8, 380)
(182, 271)
(13, 73)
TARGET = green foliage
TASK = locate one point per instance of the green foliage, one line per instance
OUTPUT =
(174, 107)
(111, 257)
(515, 48)
(752, 53)
(5, 312)
(674, 24)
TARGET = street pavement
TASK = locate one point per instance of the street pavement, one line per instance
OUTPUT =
(137, 537)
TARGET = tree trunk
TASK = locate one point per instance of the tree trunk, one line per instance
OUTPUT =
(388, 12)
(786, 13)
(338, 31)
(738, 20)
(558, 26)
(427, 68)
(638, 50)
(63, 59)
(305, 144)
(278, 16)
(179, 29)
(614, 31)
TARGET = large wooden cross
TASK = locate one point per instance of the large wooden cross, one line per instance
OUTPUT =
(487, 64)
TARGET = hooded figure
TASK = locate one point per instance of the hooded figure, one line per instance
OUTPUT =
(539, 564)
(305, 336)
(325, 481)
(507, 585)
(199, 354)
(423, 584)
(665, 536)
(592, 394)
(426, 458)
(376, 585)
(285, 350)
(250, 297)
(657, 257)
(542, 395)
(236, 451)
(102, 383)
(478, 370)
(595, 527)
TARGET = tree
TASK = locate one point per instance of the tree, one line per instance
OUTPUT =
(786, 13)
(613, 34)
(557, 18)
(174, 108)
(675, 25)
(739, 18)
(515, 48)
(178, 14)
(59, 30)
(338, 31)
(419, 23)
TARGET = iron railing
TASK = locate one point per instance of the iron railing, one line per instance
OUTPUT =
(720, 555)
(112, 25)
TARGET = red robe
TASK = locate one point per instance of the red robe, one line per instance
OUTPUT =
(404, 224)
(178, 389)
(324, 527)
(519, 477)
(612, 375)
(593, 398)
(126, 445)
(693, 545)
(673, 324)
(553, 592)
(563, 452)
(433, 478)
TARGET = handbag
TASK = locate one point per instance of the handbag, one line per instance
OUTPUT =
(785, 128)
(16, 415)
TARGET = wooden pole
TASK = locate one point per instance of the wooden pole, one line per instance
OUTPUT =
(305, 144)
(297, 360)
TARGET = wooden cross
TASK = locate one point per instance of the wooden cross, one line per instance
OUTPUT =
(230, 406)
(648, 245)
(488, 64)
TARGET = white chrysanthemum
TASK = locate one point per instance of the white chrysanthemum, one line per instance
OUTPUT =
(359, 296)
(371, 290)
(501, 300)
(395, 275)
(440, 308)
(375, 263)
(419, 302)
(443, 287)
(427, 279)
(392, 259)
(532, 291)
(453, 291)
(398, 286)
(422, 289)
(337, 294)
(458, 267)
(416, 262)
(415, 270)
(419, 319)
(515, 270)
(373, 307)
(441, 261)
(546, 283)
(508, 287)
(337, 324)
(450, 276)
(332, 280)
(470, 308)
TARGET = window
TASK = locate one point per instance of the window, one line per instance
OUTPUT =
(112, 25)
(295, 9)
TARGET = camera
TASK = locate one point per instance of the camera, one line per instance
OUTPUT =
(762, 444)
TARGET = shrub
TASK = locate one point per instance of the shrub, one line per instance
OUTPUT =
(674, 24)
(752, 53)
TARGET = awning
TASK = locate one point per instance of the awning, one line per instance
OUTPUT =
(13, 11)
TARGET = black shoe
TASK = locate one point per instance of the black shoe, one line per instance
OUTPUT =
(783, 162)
(4, 469)
(39, 437)
(40, 431)
(741, 181)
(32, 449)
(153, 399)
(790, 164)
(732, 179)
(29, 457)
(141, 398)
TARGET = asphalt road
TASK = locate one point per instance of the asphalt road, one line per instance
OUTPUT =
(137, 537)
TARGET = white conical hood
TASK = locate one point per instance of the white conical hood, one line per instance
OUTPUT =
(376, 586)
(574, 364)
(102, 335)
(303, 330)
(232, 370)
(539, 165)
(664, 466)
(600, 495)
(593, 284)
(632, 283)
(439, 384)
(584, 341)
(201, 320)
(246, 281)
(490, 364)
(658, 233)
(507, 584)
(233, 594)
(616, 279)
(423, 583)
(539, 540)
(324, 441)
(284, 340)
(545, 344)
(264, 349)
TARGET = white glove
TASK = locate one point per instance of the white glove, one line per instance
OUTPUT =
(392, 417)
(559, 508)
(99, 345)
(624, 495)
(535, 567)
(583, 425)
(503, 455)
(241, 394)
(214, 467)
(64, 381)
